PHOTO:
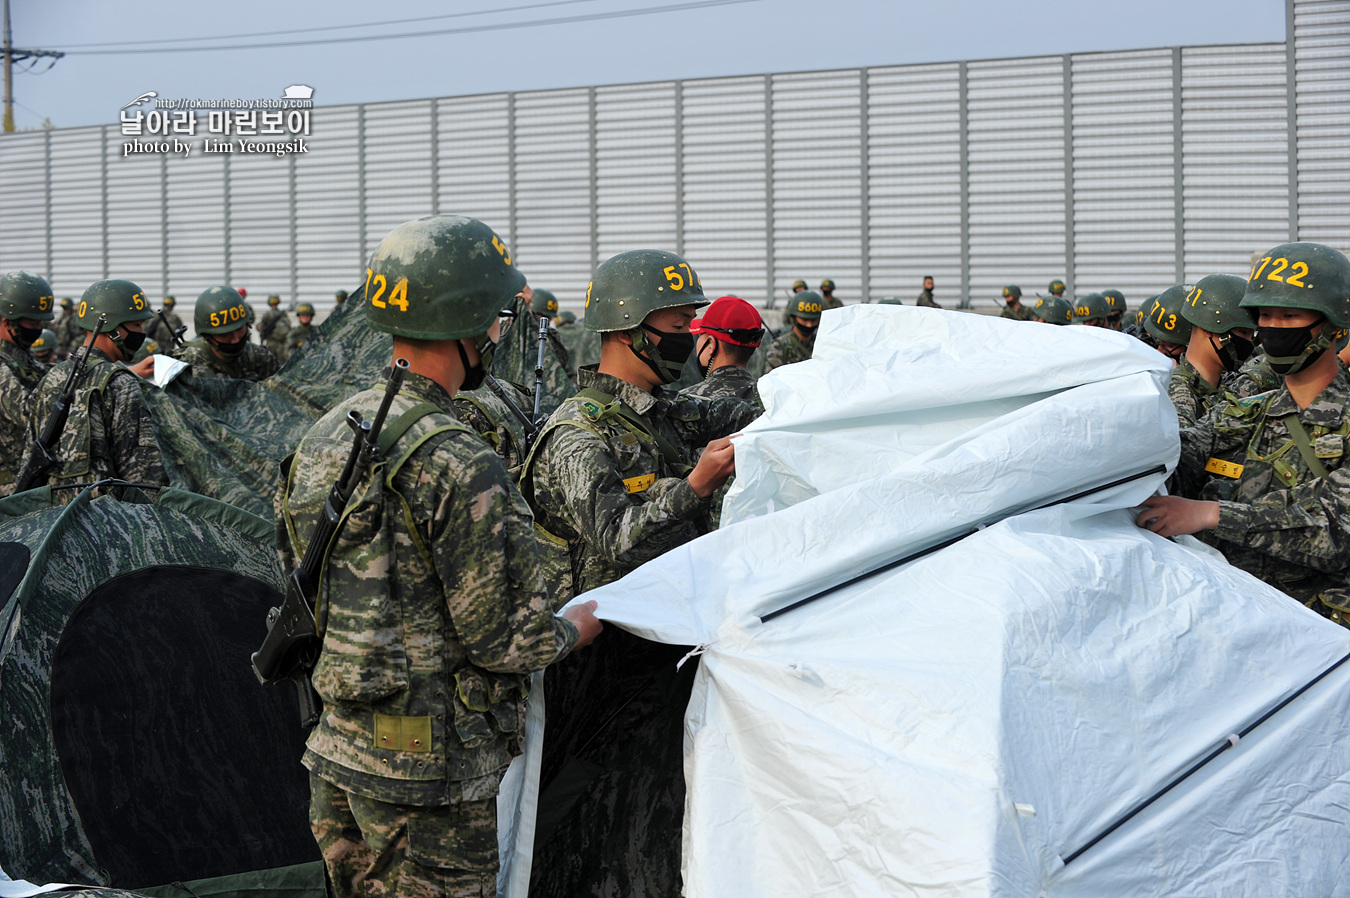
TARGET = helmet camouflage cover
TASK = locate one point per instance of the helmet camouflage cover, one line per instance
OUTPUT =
(219, 310)
(630, 286)
(1302, 276)
(442, 277)
(1162, 317)
(121, 301)
(26, 295)
(1215, 304)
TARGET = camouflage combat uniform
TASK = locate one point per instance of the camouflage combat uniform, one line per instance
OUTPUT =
(729, 380)
(1021, 313)
(274, 327)
(429, 635)
(68, 334)
(1278, 519)
(1255, 376)
(583, 346)
(296, 338)
(109, 432)
(486, 412)
(161, 334)
(19, 377)
(786, 349)
(926, 299)
(254, 363)
(1191, 393)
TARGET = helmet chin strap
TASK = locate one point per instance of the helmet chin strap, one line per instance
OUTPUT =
(639, 347)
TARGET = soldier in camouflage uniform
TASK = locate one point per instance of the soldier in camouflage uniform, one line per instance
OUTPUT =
(926, 295)
(109, 432)
(43, 349)
(1012, 304)
(795, 344)
(223, 349)
(304, 314)
(1264, 479)
(727, 336)
(827, 300)
(543, 304)
(1092, 311)
(67, 329)
(274, 327)
(1056, 288)
(159, 332)
(1115, 301)
(339, 298)
(433, 606)
(1221, 340)
(26, 303)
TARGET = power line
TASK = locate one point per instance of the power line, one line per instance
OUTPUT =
(476, 29)
(226, 37)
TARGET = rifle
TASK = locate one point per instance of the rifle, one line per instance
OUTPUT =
(531, 428)
(42, 458)
(292, 645)
(175, 335)
(539, 372)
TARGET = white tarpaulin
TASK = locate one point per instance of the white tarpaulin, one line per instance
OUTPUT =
(962, 724)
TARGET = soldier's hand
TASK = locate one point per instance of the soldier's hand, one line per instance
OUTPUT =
(583, 618)
(1175, 516)
(145, 367)
(717, 463)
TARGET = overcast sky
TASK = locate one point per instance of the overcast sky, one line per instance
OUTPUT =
(670, 39)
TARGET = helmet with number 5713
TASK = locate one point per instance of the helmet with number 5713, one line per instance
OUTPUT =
(121, 301)
(630, 286)
(443, 277)
(1302, 276)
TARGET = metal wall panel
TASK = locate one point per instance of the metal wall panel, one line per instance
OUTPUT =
(23, 184)
(196, 228)
(1124, 192)
(724, 181)
(398, 166)
(1322, 62)
(77, 210)
(330, 207)
(914, 178)
(635, 166)
(473, 167)
(260, 228)
(1016, 140)
(1236, 156)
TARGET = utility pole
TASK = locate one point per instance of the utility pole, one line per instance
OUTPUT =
(12, 56)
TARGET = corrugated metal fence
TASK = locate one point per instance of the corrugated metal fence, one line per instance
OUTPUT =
(1134, 170)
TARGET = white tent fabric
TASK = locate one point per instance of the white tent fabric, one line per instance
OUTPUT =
(960, 724)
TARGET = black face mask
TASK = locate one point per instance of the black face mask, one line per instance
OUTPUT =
(473, 374)
(671, 353)
(1291, 349)
(229, 350)
(1233, 350)
(130, 341)
(806, 332)
(24, 336)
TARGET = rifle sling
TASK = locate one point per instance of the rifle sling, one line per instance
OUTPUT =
(673, 456)
(1304, 444)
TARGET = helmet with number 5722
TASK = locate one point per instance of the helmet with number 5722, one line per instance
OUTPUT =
(443, 277)
(1302, 276)
(630, 286)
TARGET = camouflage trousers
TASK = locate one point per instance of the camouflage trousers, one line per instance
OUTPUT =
(373, 848)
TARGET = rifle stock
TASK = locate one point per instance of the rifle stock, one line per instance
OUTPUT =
(291, 647)
(42, 458)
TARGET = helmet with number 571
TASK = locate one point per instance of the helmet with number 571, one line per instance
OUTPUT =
(121, 301)
(1302, 276)
(630, 286)
(443, 277)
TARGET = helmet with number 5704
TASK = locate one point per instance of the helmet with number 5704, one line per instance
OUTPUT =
(1302, 276)
(630, 286)
(443, 277)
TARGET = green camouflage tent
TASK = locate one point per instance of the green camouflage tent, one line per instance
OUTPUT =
(139, 751)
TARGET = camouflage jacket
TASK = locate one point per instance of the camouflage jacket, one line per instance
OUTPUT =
(583, 346)
(1021, 313)
(729, 380)
(786, 349)
(1278, 519)
(486, 412)
(162, 335)
(926, 299)
(273, 328)
(1191, 393)
(19, 377)
(109, 432)
(432, 605)
(297, 337)
(254, 363)
(68, 334)
(609, 490)
(1255, 376)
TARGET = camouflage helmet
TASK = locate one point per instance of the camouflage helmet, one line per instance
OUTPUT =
(1053, 310)
(1012, 291)
(219, 310)
(1056, 287)
(1214, 304)
(1163, 319)
(45, 343)
(274, 300)
(121, 301)
(544, 303)
(827, 284)
(630, 286)
(304, 309)
(565, 317)
(170, 302)
(67, 303)
(442, 277)
(26, 295)
(806, 304)
(1092, 307)
(1302, 276)
(1115, 301)
(799, 284)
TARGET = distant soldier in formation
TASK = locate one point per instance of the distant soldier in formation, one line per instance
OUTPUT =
(1012, 304)
(1056, 288)
(1092, 310)
(543, 304)
(274, 327)
(1221, 340)
(223, 349)
(67, 329)
(827, 296)
(109, 432)
(339, 298)
(926, 295)
(1168, 329)
(43, 349)
(1052, 310)
(159, 332)
(1115, 301)
(726, 336)
(1263, 479)
(26, 303)
(797, 342)
(304, 314)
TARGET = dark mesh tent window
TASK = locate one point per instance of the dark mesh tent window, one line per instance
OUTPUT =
(181, 765)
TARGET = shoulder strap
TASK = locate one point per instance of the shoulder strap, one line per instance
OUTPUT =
(602, 405)
(392, 433)
(1304, 444)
